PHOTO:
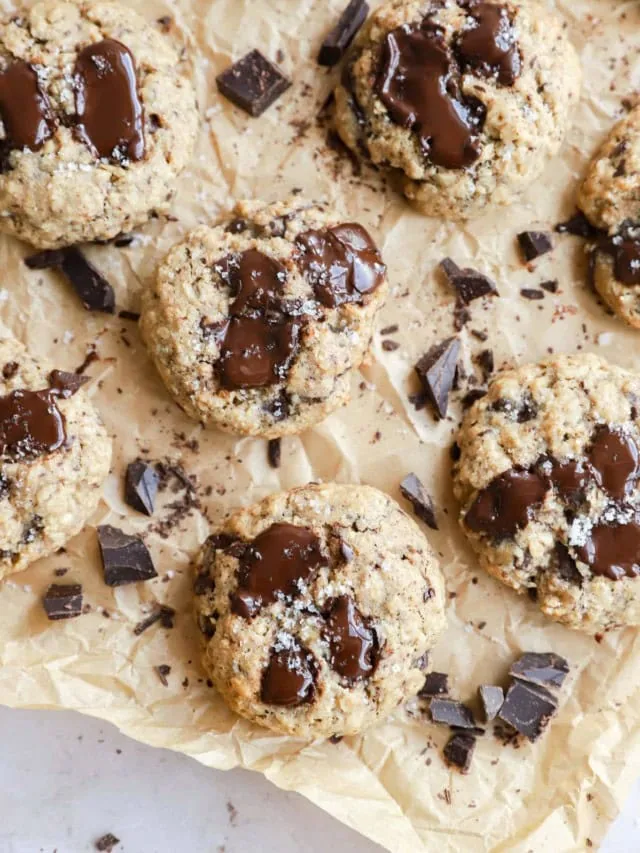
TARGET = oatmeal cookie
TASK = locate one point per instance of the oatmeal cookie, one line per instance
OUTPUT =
(96, 122)
(257, 325)
(318, 607)
(54, 457)
(548, 482)
(610, 199)
(468, 100)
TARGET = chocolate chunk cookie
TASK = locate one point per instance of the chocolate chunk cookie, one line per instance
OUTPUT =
(549, 484)
(54, 457)
(317, 607)
(96, 122)
(610, 199)
(257, 325)
(468, 100)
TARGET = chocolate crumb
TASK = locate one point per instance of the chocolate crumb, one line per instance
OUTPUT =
(459, 751)
(106, 843)
(274, 452)
(577, 226)
(390, 346)
(162, 614)
(163, 670)
(550, 286)
(531, 293)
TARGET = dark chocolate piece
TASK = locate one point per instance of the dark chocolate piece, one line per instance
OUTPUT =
(436, 371)
(472, 397)
(459, 751)
(63, 601)
(277, 564)
(546, 669)
(338, 40)
(24, 108)
(353, 644)
(533, 244)
(414, 491)
(109, 112)
(506, 503)
(274, 452)
(162, 614)
(451, 713)
(550, 286)
(528, 709)
(290, 676)
(93, 289)
(486, 361)
(162, 671)
(468, 283)
(578, 226)
(31, 424)
(107, 843)
(492, 698)
(252, 83)
(436, 684)
(490, 48)
(141, 486)
(614, 456)
(624, 248)
(531, 293)
(65, 385)
(613, 550)
(125, 558)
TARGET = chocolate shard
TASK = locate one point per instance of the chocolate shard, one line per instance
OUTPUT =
(469, 284)
(459, 751)
(162, 671)
(63, 601)
(274, 452)
(93, 289)
(472, 397)
(106, 843)
(546, 669)
(338, 40)
(492, 698)
(550, 286)
(531, 293)
(435, 684)
(125, 558)
(533, 244)
(414, 491)
(66, 384)
(528, 709)
(141, 486)
(451, 713)
(162, 614)
(436, 371)
(252, 83)
(578, 226)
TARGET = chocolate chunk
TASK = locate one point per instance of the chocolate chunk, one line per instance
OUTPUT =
(436, 371)
(353, 644)
(436, 684)
(141, 486)
(420, 85)
(389, 330)
(451, 713)
(106, 843)
(162, 614)
(550, 286)
(507, 503)
(31, 425)
(578, 226)
(109, 112)
(571, 478)
(624, 248)
(93, 289)
(341, 263)
(469, 284)
(338, 40)
(390, 346)
(277, 564)
(472, 397)
(533, 244)
(528, 709)
(290, 676)
(492, 698)
(613, 550)
(274, 452)
(459, 751)
(486, 362)
(125, 558)
(490, 49)
(65, 385)
(546, 669)
(614, 456)
(63, 601)
(24, 108)
(162, 671)
(252, 83)
(10, 369)
(413, 490)
(531, 293)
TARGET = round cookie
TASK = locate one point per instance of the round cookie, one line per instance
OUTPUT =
(96, 122)
(257, 325)
(467, 100)
(610, 199)
(54, 453)
(548, 480)
(317, 607)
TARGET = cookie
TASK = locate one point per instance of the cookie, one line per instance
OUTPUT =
(610, 199)
(54, 453)
(548, 482)
(257, 325)
(96, 122)
(466, 100)
(317, 608)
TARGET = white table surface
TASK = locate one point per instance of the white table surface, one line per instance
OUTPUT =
(65, 780)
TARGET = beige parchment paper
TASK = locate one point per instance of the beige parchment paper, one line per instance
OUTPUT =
(391, 784)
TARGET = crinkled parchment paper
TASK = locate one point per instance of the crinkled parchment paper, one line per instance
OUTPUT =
(391, 784)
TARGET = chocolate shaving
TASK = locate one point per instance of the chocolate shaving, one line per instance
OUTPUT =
(436, 371)
(414, 491)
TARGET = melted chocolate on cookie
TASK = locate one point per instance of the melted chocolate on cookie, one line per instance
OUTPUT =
(109, 112)
(24, 108)
(624, 248)
(341, 263)
(490, 48)
(507, 503)
(276, 564)
(353, 644)
(290, 677)
(613, 550)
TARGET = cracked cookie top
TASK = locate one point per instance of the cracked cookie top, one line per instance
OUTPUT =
(317, 607)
